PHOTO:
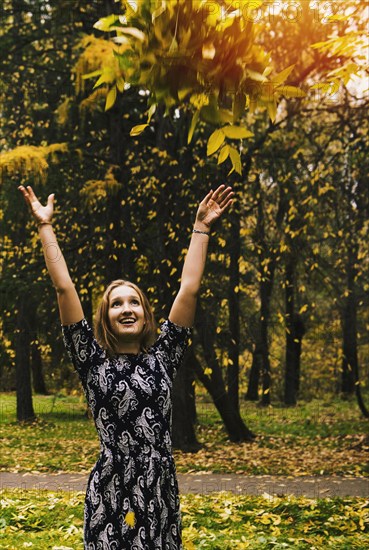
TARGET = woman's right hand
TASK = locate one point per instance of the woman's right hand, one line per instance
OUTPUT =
(42, 214)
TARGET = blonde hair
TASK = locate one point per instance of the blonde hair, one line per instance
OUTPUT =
(103, 332)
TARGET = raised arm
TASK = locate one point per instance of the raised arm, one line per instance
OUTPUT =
(210, 209)
(69, 304)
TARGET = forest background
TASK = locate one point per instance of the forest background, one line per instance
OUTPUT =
(283, 315)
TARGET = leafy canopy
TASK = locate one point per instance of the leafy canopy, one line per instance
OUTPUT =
(348, 44)
(194, 54)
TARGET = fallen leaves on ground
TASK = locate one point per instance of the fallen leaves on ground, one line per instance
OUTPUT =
(288, 455)
(221, 521)
(315, 438)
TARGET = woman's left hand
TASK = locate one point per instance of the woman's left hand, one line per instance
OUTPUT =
(213, 205)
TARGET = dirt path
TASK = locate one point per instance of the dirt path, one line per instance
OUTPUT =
(204, 483)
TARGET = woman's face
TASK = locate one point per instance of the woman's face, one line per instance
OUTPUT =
(126, 314)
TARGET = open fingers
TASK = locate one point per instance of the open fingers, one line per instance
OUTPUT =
(31, 199)
(28, 193)
(222, 196)
(218, 192)
(25, 194)
(208, 197)
(225, 197)
(31, 194)
(225, 204)
(23, 190)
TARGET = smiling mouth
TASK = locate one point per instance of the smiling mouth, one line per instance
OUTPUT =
(127, 322)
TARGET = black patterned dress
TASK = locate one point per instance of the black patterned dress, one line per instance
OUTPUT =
(132, 497)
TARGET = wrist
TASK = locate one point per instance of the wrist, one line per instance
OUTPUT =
(200, 226)
(207, 233)
(40, 224)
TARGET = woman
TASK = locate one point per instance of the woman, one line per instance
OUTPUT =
(127, 374)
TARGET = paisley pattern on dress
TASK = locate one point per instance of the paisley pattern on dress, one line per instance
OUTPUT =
(130, 397)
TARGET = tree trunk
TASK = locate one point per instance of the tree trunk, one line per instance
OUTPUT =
(350, 382)
(260, 361)
(299, 330)
(267, 262)
(252, 393)
(235, 426)
(349, 329)
(234, 313)
(265, 295)
(349, 348)
(290, 385)
(183, 432)
(119, 238)
(38, 380)
(360, 400)
(25, 410)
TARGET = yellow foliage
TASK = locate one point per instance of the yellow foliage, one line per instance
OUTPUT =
(90, 103)
(63, 111)
(97, 55)
(29, 160)
(96, 190)
(225, 64)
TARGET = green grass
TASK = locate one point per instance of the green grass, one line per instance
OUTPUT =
(317, 418)
(320, 437)
(316, 437)
(44, 520)
(62, 439)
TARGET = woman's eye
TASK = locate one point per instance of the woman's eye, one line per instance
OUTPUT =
(135, 302)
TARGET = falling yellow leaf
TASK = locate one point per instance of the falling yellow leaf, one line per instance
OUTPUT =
(130, 519)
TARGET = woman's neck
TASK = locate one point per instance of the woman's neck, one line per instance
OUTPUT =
(128, 347)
